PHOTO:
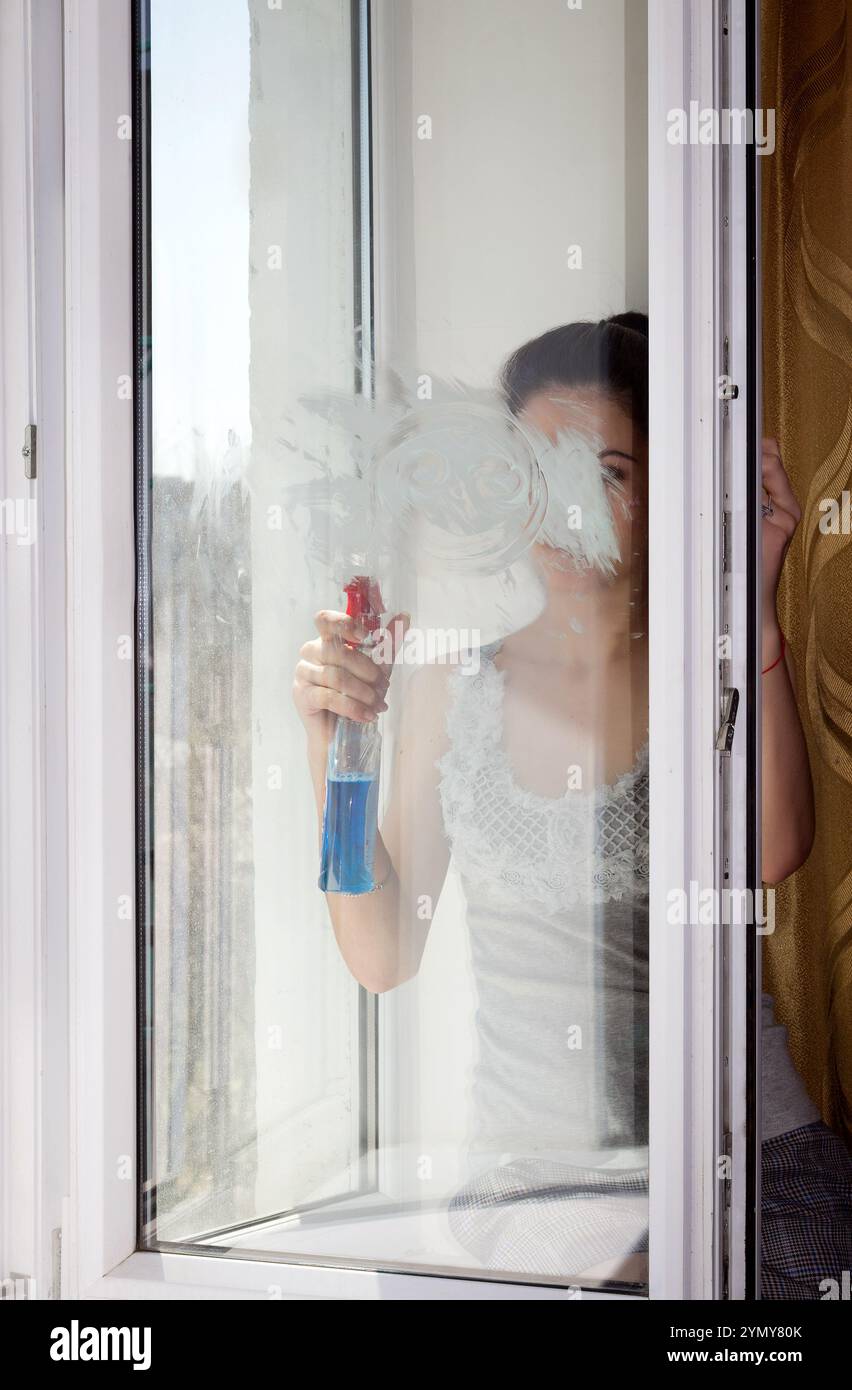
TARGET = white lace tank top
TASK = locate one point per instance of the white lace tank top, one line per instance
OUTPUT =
(557, 915)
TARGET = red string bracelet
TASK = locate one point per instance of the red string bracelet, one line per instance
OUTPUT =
(777, 659)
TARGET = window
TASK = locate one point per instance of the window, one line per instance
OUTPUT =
(353, 215)
(292, 242)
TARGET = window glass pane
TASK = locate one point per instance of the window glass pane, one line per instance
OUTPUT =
(396, 968)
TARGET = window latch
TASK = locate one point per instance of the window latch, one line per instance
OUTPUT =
(728, 390)
(29, 452)
(730, 705)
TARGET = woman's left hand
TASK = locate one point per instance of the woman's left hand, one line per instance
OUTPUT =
(778, 530)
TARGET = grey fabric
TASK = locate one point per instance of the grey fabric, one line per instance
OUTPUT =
(562, 1026)
(786, 1103)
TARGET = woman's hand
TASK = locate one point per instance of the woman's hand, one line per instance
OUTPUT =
(381, 936)
(333, 678)
(778, 530)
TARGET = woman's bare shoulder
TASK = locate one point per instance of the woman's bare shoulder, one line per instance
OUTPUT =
(427, 685)
(426, 698)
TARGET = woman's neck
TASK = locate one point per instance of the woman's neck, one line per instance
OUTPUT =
(584, 626)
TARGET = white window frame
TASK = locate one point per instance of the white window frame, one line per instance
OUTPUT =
(89, 601)
(33, 958)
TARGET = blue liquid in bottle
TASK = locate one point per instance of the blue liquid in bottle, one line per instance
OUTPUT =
(352, 776)
(349, 833)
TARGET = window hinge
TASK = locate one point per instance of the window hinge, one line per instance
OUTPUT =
(730, 705)
(29, 452)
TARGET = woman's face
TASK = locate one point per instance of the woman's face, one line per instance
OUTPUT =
(623, 456)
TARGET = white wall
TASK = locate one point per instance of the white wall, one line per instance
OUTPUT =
(534, 149)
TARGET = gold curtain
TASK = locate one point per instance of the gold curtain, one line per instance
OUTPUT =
(807, 284)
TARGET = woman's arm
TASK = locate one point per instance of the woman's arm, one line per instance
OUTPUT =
(788, 803)
(381, 935)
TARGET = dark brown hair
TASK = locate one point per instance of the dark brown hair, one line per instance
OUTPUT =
(611, 356)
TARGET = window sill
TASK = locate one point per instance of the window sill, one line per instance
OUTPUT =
(151, 1275)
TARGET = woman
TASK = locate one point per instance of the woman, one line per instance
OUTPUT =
(555, 876)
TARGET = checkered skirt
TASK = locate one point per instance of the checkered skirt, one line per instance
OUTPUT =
(536, 1216)
(806, 1213)
(541, 1217)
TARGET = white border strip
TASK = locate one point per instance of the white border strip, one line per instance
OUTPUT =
(32, 704)
(741, 527)
(101, 577)
(21, 922)
(683, 704)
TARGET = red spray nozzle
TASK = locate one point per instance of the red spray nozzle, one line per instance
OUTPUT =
(364, 601)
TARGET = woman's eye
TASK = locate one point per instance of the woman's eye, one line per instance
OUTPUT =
(612, 473)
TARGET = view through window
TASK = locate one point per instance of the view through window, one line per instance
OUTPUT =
(396, 886)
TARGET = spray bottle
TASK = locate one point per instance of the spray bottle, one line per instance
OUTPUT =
(352, 774)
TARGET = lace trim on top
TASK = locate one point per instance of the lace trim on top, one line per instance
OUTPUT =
(517, 846)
